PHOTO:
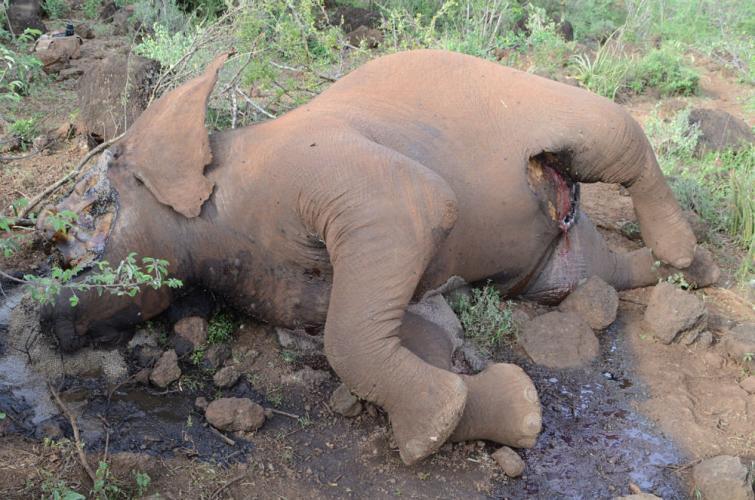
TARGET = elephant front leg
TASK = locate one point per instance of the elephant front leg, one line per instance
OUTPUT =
(502, 402)
(381, 224)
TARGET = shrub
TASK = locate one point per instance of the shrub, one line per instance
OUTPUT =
(91, 8)
(166, 47)
(550, 51)
(221, 327)
(606, 72)
(24, 130)
(55, 9)
(663, 69)
(484, 317)
(18, 68)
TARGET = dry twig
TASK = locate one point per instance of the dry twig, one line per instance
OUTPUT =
(76, 436)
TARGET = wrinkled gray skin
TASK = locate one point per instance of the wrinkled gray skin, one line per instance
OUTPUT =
(415, 168)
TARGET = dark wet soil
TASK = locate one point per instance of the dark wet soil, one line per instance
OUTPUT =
(594, 442)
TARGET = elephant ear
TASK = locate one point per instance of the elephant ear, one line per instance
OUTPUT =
(168, 147)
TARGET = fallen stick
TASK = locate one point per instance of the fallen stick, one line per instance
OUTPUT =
(226, 485)
(222, 436)
(284, 413)
(73, 173)
(77, 438)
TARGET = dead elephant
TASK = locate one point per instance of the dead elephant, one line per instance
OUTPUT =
(417, 167)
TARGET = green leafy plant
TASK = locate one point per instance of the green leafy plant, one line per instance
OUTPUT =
(484, 317)
(663, 69)
(606, 71)
(220, 328)
(91, 8)
(2, 415)
(142, 481)
(104, 487)
(197, 356)
(55, 9)
(128, 278)
(24, 130)
(18, 68)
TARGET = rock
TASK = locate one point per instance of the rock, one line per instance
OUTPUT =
(189, 334)
(215, 356)
(559, 340)
(142, 376)
(739, 344)
(166, 370)
(146, 355)
(719, 131)
(511, 463)
(723, 478)
(639, 496)
(307, 377)
(106, 86)
(235, 414)
(23, 14)
(122, 22)
(672, 312)
(699, 227)
(344, 402)
(108, 10)
(748, 384)
(595, 301)
(142, 337)
(298, 340)
(370, 36)
(84, 31)
(226, 376)
(705, 339)
(55, 52)
(201, 403)
(566, 30)
(50, 429)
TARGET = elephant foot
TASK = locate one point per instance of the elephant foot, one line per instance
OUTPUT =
(703, 270)
(425, 419)
(502, 406)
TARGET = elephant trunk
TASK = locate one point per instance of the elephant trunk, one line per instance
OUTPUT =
(605, 144)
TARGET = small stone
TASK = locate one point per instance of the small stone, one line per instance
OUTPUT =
(307, 377)
(142, 336)
(748, 384)
(705, 339)
(226, 376)
(298, 340)
(739, 344)
(189, 334)
(559, 340)
(344, 402)
(146, 356)
(166, 370)
(511, 463)
(672, 312)
(215, 356)
(84, 31)
(142, 376)
(269, 413)
(723, 478)
(639, 496)
(595, 301)
(201, 403)
(235, 414)
(50, 429)
(370, 36)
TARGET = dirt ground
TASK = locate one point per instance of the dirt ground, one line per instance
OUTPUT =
(638, 417)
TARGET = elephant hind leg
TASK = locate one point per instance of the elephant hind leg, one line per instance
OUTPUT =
(502, 402)
(583, 252)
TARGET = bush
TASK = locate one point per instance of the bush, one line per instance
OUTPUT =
(91, 8)
(663, 69)
(484, 317)
(605, 73)
(18, 68)
(54, 9)
(24, 130)
(221, 327)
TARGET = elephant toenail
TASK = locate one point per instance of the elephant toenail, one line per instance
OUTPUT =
(530, 394)
(532, 423)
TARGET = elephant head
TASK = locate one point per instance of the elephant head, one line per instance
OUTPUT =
(157, 170)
